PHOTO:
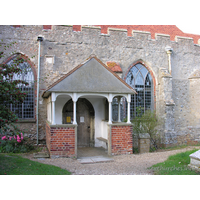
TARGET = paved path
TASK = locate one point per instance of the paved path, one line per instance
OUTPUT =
(135, 164)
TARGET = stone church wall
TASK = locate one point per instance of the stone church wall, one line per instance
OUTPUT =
(175, 95)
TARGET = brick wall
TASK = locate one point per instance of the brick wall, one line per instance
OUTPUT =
(121, 139)
(61, 140)
(48, 137)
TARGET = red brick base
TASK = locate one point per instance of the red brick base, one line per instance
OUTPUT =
(122, 141)
(60, 140)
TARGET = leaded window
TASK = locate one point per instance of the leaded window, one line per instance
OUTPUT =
(139, 78)
(24, 110)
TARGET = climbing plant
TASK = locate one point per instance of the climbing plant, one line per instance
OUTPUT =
(10, 92)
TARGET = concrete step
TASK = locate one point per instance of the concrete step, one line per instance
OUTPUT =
(94, 159)
(41, 155)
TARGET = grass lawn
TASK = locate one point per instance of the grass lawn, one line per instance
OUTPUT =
(175, 165)
(11, 164)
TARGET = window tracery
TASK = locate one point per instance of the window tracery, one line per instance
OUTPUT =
(139, 78)
(24, 110)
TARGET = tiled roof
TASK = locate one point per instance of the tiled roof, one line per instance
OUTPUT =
(171, 30)
(115, 67)
(79, 66)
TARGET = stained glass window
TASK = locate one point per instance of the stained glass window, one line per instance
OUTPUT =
(139, 78)
(24, 110)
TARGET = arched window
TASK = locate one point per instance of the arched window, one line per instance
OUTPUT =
(139, 78)
(24, 110)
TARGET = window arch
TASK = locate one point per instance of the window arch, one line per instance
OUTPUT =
(26, 109)
(140, 79)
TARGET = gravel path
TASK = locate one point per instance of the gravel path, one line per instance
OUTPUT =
(135, 164)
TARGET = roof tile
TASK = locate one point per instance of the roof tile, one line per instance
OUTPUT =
(171, 30)
(76, 68)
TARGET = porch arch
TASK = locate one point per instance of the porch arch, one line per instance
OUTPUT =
(68, 109)
(63, 94)
(85, 120)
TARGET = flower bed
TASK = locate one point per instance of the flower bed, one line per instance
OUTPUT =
(15, 144)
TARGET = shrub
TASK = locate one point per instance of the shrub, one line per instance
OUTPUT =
(10, 91)
(147, 123)
(15, 144)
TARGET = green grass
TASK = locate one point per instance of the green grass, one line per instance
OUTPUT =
(11, 164)
(179, 147)
(175, 165)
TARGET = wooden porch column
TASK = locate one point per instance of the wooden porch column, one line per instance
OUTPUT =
(53, 98)
(119, 110)
(74, 113)
(74, 107)
(128, 109)
(110, 113)
(110, 108)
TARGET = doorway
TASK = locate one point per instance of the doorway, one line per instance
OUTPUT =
(85, 121)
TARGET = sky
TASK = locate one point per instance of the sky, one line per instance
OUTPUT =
(190, 28)
(184, 14)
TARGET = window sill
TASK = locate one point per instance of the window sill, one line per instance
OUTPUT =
(26, 121)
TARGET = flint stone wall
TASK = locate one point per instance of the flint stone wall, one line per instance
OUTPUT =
(63, 49)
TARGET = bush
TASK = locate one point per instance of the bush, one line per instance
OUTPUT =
(11, 92)
(15, 144)
(147, 123)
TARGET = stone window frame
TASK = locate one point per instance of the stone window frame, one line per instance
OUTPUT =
(153, 93)
(32, 66)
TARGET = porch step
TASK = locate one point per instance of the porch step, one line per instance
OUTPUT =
(41, 155)
(94, 159)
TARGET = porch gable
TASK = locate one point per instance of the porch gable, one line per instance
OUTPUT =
(92, 76)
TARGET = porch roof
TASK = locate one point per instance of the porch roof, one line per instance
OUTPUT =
(93, 76)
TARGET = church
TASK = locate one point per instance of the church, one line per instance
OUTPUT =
(87, 81)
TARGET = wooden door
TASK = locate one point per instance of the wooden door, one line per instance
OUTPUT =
(68, 113)
(83, 121)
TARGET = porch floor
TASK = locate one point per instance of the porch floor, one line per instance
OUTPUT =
(91, 151)
(91, 155)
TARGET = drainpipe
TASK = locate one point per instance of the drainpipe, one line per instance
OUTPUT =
(169, 52)
(38, 79)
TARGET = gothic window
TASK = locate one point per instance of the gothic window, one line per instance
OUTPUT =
(24, 110)
(140, 80)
